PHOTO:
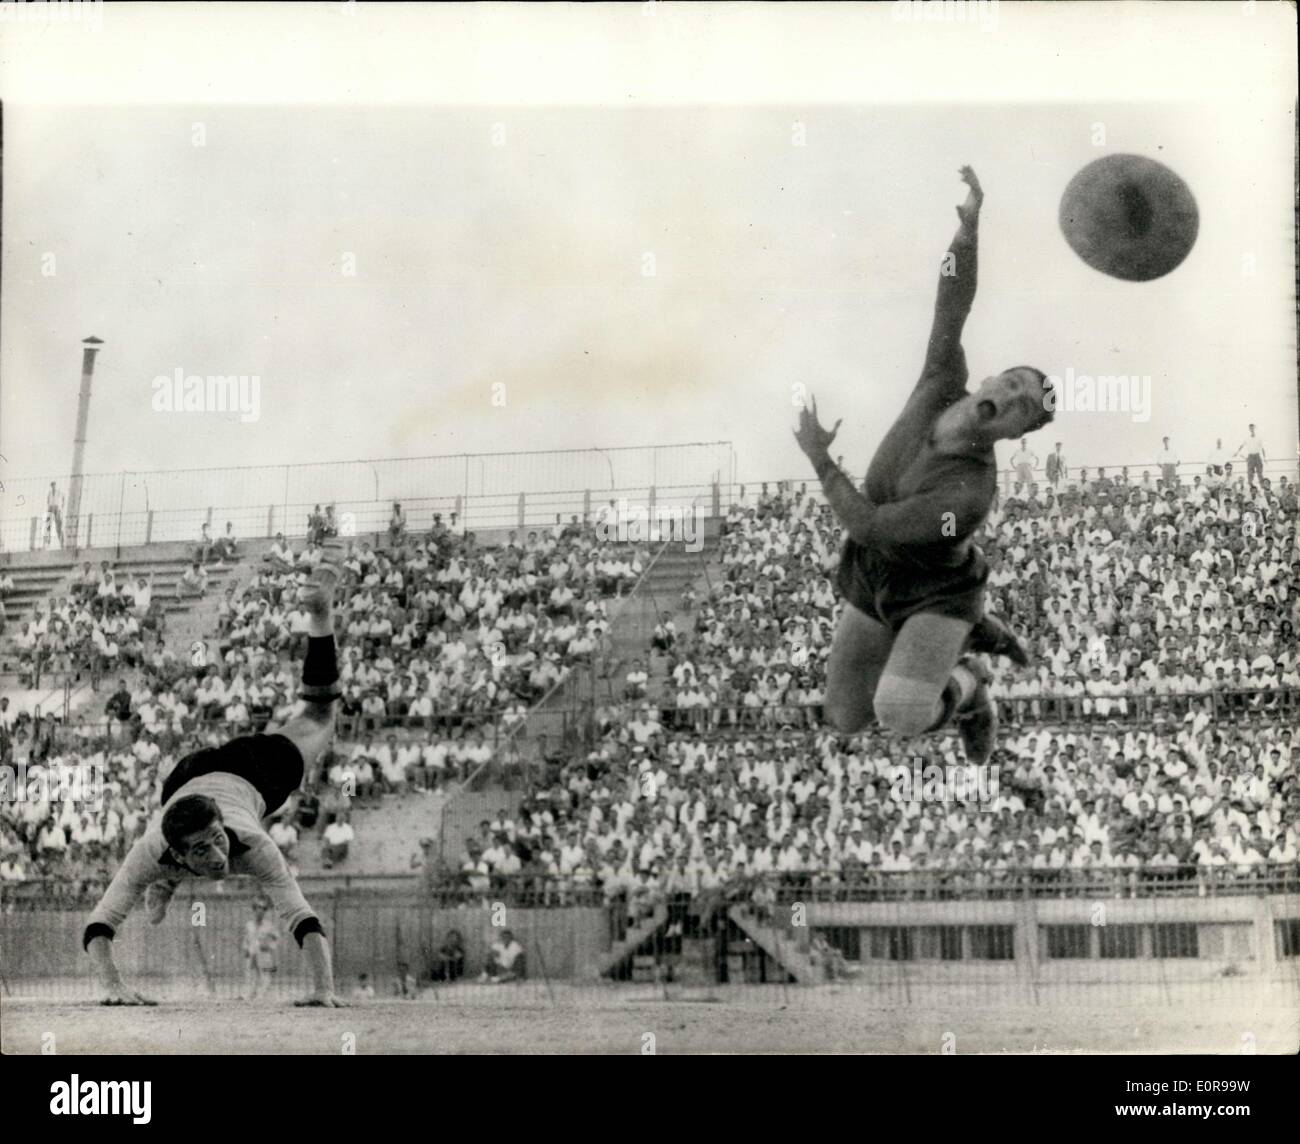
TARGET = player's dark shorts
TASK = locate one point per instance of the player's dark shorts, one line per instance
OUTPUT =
(272, 763)
(890, 591)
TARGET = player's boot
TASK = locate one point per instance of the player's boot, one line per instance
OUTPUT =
(977, 719)
(991, 636)
(157, 895)
(317, 595)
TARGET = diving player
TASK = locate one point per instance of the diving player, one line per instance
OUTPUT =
(912, 578)
(213, 805)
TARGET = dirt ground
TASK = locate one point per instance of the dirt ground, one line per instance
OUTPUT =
(811, 1021)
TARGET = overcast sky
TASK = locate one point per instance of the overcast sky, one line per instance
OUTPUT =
(506, 244)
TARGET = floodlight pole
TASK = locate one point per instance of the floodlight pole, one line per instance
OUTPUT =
(90, 347)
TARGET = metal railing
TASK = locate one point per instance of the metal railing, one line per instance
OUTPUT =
(488, 490)
(452, 887)
(485, 491)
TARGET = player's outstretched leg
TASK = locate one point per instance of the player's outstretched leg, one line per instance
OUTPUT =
(976, 718)
(928, 683)
(312, 728)
(859, 651)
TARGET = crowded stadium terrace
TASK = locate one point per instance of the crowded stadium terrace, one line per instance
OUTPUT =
(1150, 749)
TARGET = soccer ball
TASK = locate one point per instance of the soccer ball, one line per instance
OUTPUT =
(1130, 217)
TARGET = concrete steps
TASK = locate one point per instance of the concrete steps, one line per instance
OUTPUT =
(709, 571)
(33, 586)
(780, 943)
(185, 620)
(611, 959)
(465, 809)
(698, 962)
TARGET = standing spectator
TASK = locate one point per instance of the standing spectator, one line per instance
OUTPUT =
(204, 550)
(118, 707)
(225, 547)
(261, 946)
(315, 526)
(396, 525)
(1253, 449)
(1218, 456)
(1167, 459)
(1024, 461)
(1056, 467)
(54, 514)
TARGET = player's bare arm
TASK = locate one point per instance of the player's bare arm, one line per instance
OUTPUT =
(958, 278)
(921, 519)
(114, 989)
(969, 211)
(850, 507)
(138, 876)
(316, 950)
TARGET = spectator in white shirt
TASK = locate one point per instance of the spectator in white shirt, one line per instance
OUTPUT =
(1167, 459)
(505, 960)
(1252, 448)
(336, 841)
(1024, 461)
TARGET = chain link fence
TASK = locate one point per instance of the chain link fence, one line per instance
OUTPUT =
(1025, 937)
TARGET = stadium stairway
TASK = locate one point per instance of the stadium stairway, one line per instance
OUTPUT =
(781, 947)
(465, 809)
(632, 621)
(698, 962)
(620, 952)
(673, 573)
(31, 586)
(37, 583)
(659, 596)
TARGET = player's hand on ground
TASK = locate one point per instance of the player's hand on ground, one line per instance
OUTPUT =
(319, 1001)
(969, 211)
(813, 439)
(121, 995)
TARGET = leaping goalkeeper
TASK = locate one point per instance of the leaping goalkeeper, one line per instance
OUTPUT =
(911, 576)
